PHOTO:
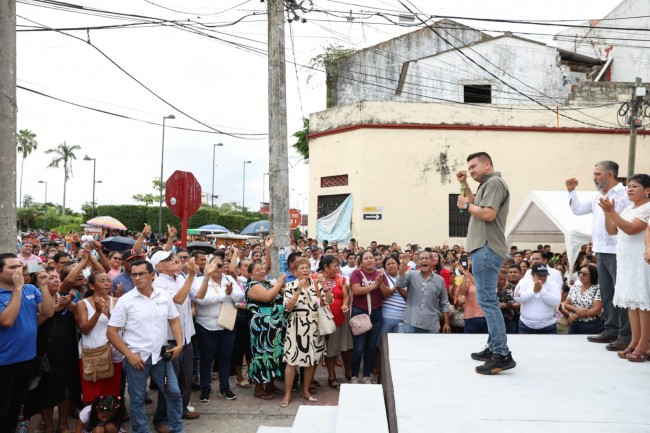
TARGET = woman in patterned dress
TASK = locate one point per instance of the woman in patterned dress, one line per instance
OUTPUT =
(583, 304)
(303, 344)
(632, 289)
(266, 329)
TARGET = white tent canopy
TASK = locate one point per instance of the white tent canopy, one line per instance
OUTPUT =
(545, 216)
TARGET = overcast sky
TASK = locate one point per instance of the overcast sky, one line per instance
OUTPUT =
(208, 79)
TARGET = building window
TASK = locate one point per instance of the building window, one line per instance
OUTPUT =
(477, 93)
(329, 203)
(328, 181)
(458, 221)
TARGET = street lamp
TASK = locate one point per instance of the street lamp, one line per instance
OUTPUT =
(94, 160)
(44, 214)
(264, 187)
(243, 187)
(162, 160)
(214, 147)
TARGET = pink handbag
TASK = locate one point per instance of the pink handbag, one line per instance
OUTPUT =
(361, 323)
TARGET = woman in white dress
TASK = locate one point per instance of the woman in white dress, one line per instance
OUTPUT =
(632, 290)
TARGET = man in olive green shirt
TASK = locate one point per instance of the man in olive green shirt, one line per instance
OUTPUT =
(486, 243)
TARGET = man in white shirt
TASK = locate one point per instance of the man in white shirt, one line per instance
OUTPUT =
(145, 315)
(314, 260)
(87, 237)
(553, 274)
(169, 267)
(351, 265)
(538, 302)
(617, 325)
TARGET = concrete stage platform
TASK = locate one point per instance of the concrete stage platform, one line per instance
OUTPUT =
(561, 383)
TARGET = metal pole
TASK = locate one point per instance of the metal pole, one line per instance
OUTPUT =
(94, 166)
(162, 159)
(214, 149)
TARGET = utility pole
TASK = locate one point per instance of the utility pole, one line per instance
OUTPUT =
(8, 110)
(638, 92)
(278, 146)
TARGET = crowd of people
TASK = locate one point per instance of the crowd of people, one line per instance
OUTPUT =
(177, 320)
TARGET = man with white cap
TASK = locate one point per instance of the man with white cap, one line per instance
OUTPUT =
(169, 267)
(538, 298)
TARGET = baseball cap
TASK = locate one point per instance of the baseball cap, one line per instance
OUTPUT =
(539, 269)
(222, 247)
(130, 256)
(159, 256)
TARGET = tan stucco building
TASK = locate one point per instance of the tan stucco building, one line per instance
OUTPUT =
(398, 160)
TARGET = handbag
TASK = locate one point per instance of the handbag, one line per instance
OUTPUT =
(227, 313)
(42, 366)
(361, 323)
(97, 363)
(227, 316)
(326, 325)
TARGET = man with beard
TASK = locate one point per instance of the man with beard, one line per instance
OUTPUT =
(617, 326)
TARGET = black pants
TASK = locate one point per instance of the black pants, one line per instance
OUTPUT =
(14, 380)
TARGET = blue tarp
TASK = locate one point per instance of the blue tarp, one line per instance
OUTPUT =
(337, 225)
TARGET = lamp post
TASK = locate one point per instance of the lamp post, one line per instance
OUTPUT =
(214, 147)
(94, 160)
(243, 188)
(45, 202)
(264, 187)
(162, 160)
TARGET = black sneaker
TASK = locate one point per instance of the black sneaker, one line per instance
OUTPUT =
(483, 355)
(227, 394)
(205, 395)
(497, 364)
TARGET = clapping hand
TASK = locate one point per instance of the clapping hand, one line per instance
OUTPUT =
(210, 268)
(268, 242)
(606, 205)
(229, 288)
(119, 290)
(192, 267)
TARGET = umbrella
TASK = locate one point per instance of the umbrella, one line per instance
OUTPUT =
(107, 222)
(256, 228)
(118, 243)
(206, 247)
(213, 228)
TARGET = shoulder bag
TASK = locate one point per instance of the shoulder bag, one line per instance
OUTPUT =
(97, 363)
(326, 325)
(228, 312)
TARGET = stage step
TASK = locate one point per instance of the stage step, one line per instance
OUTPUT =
(272, 429)
(315, 419)
(361, 409)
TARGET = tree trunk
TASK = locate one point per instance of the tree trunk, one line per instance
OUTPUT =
(65, 181)
(8, 109)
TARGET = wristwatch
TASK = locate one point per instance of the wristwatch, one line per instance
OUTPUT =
(466, 206)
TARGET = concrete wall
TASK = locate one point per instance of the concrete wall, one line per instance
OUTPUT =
(529, 67)
(372, 74)
(631, 57)
(405, 157)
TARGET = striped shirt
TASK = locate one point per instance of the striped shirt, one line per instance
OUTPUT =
(393, 307)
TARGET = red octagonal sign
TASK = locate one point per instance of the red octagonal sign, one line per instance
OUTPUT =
(183, 196)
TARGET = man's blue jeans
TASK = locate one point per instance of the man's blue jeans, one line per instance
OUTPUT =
(138, 386)
(365, 344)
(485, 269)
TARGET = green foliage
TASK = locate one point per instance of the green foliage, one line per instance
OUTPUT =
(66, 223)
(135, 216)
(328, 60)
(302, 144)
(63, 154)
(26, 142)
(149, 199)
(297, 234)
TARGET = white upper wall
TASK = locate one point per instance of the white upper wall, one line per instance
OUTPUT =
(530, 67)
(631, 57)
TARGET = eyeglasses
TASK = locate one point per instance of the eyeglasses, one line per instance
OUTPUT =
(583, 274)
(139, 274)
(117, 259)
(183, 257)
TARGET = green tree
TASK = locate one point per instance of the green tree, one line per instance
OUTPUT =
(25, 144)
(63, 154)
(302, 144)
(329, 61)
(151, 198)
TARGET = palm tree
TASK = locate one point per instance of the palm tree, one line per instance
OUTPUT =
(25, 144)
(63, 154)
